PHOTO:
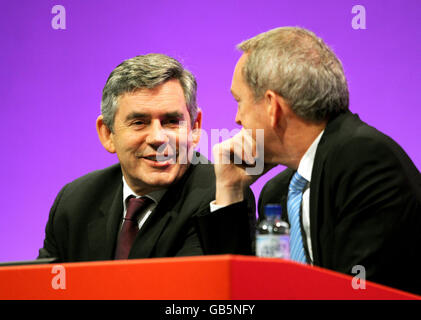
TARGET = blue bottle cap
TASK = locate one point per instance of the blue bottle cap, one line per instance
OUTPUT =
(273, 209)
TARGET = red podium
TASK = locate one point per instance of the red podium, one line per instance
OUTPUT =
(189, 278)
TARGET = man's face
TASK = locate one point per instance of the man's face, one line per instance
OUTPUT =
(153, 137)
(251, 115)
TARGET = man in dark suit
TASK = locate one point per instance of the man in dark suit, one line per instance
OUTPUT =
(351, 194)
(157, 201)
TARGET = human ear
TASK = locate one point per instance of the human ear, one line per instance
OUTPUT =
(105, 135)
(273, 109)
(196, 129)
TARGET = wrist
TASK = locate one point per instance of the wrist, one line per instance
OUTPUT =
(226, 195)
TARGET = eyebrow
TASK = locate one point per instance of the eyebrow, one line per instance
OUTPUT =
(141, 115)
(136, 115)
(174, 114)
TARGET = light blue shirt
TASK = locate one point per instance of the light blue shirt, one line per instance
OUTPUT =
(305, 168)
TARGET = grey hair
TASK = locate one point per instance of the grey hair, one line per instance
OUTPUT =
(298, 66)
(146, 71)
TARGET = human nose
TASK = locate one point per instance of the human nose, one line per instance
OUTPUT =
(157, 135)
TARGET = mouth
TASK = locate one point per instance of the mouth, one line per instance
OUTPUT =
(159, 160)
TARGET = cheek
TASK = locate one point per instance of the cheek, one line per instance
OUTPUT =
(181, 139)
(182, 142)
(132, 142)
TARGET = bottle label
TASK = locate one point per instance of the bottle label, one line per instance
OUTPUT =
(272, 246)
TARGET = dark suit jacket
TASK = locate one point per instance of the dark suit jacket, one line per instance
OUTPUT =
(365, 204)
(85, 218)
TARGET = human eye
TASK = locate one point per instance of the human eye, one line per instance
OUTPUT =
(172, 122)
(138, 123)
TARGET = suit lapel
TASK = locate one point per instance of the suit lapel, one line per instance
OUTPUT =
(318, 177)
(103, 230)
(148, 236)
(114, 214)
(318, 166)
(97, 238)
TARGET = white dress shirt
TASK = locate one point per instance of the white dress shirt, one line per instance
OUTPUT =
(146, 212)
(305, 168)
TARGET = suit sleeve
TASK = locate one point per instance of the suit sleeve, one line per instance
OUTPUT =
(229, 230)
(377, 213)
(50, 248)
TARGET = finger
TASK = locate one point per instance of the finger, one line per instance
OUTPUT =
(222, 152)
(243, 144)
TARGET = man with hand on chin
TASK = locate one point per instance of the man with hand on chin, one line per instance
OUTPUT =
(351, 195)
(156, 201)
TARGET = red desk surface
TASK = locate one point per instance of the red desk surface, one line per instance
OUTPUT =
(188, 278)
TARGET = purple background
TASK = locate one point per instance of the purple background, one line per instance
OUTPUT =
(52, 80)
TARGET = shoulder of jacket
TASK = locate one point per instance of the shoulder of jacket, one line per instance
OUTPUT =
(103, 179)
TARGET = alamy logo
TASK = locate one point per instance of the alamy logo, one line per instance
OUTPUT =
(59, 20)
(244, 152)
(359, 20)
(59, 280)
(358, 282)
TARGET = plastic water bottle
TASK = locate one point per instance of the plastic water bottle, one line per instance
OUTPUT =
(272, 235)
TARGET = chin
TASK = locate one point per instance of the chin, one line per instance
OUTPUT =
(154, 179)
(161, 179)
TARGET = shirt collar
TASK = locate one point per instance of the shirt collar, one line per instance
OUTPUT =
(306, 164)
(155, 196)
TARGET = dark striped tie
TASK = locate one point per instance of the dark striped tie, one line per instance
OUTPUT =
(130, 227)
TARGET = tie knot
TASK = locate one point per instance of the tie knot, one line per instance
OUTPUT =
(135, 206)
(298, 183)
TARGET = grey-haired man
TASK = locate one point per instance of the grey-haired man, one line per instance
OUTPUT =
(351, 194)
(156, 201)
